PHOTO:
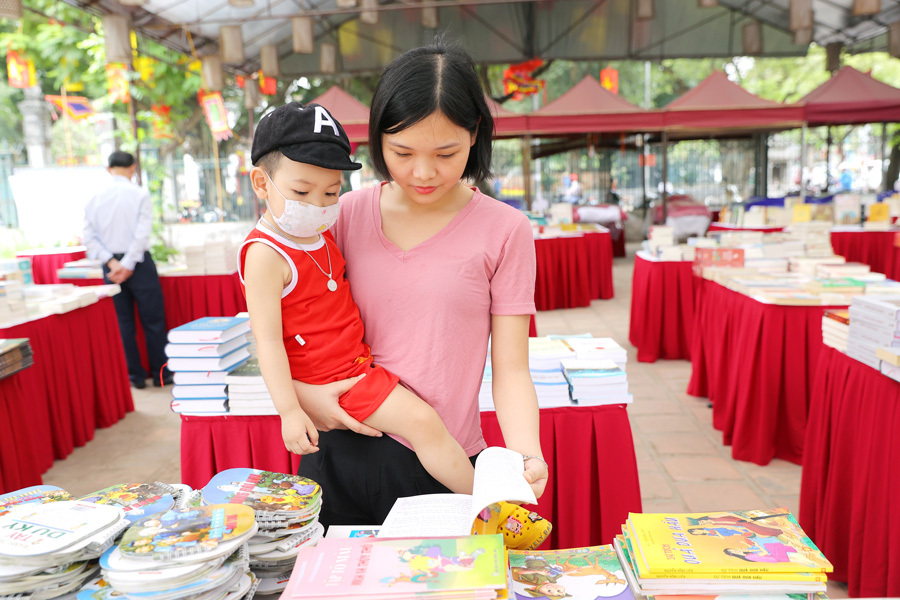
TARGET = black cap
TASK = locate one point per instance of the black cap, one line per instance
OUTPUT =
(306, 134)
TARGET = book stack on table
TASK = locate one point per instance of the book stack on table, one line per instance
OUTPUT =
(836, 329)
(15, 355)
(594, 382)
(873, 325)
(286, 509)
(12, 301)
(247, 392)
(86, 268)
(201, 353)
(212, 258)
(763, 553)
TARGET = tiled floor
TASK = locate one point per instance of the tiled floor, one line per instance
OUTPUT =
(682, 463)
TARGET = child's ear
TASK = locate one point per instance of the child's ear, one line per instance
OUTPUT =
(259, 181)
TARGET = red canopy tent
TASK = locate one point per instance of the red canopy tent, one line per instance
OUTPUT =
(851, 96)
(352, 114)
(506, 122)
(590, 108)
(719, 105)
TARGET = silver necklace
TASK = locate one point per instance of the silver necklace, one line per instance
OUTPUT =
(332, 284)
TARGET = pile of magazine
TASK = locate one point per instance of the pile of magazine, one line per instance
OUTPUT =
(710, 554)
(48, 549)
(287, 513)
(201, 353)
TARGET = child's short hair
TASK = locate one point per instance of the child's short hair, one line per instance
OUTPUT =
(439, 77)
(269, 162)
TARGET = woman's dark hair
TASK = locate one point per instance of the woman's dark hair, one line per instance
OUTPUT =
(439, 77)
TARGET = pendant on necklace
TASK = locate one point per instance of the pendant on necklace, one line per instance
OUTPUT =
(332, 285)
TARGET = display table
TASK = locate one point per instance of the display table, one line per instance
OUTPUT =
(851, 481)
(572, 271)
(593, 471)
(45, 261)
(18, 465)
(756, 363)
(874, 248)
(78, 382)
(662, 308)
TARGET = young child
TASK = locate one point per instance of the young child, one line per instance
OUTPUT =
(303, 317)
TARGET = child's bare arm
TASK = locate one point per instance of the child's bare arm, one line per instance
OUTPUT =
(265, 274)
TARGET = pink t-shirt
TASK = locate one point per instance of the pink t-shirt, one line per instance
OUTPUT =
(427, 311)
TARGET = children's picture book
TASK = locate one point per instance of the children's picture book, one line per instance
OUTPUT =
(40, 529)
(263, 491)
(374, 567)
(35, 493)
(588, 573)
(209, 330)
(138, 500)
(183, 532)
(498, 477)
(768, 540)
(352, 531)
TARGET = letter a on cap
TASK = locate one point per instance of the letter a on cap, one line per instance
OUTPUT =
(323, 118)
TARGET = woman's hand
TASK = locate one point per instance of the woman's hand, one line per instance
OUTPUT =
(536, 474)
(320, 402)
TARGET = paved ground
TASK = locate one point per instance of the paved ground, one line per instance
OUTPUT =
(682, 463)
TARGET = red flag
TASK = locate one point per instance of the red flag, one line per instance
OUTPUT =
(117, 82)
(162, 123)
(609, 78)
(268, 86)
(216, 116)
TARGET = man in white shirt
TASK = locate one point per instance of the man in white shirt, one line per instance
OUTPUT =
(117, 225)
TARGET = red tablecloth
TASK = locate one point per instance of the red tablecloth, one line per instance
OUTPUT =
(18, 465)
(45, 262)
(874, 248)
(78, 382)
(662, 309)
(593, 471)
(727, 227)
(851, 479)
(756, 363)
(572, 271)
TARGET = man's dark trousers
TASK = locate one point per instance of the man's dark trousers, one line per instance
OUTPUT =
(144, 289)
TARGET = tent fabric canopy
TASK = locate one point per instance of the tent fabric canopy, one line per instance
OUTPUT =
(590, 107)
(718, 104)
(352, 114)
(851, 96)
(506, 122)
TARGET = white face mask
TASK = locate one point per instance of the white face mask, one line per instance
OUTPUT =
(303, 220)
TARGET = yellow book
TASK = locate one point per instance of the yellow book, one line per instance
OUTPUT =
(879, 212)
(755, 541)
(802, 213)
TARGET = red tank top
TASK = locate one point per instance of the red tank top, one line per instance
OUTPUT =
(322, 330)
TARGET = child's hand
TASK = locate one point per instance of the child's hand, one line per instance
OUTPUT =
(536, 474)
(299, 433)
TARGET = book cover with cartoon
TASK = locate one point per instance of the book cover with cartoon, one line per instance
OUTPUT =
(769, 540)
(181, 532)
(264, 491)
(351, 566)
(36, 529)
(138, 500)
(588, 573)
(35, 493)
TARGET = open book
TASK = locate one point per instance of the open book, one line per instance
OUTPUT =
(498, 477)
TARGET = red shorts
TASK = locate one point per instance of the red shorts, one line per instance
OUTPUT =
(370, 392)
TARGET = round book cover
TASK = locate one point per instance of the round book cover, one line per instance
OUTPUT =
(35, 493)
(187, 531)
(264, 491)
(36, 529)
(138, 500)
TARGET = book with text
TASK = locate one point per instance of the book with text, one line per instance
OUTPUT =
(212, 330)
(588, 573)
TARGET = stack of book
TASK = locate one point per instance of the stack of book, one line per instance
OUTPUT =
(591, 348)
(201, 353)
(212, 258)
(594, 382)
(15, 355)
(184, 553)
(12, 301)
(247, 392)
(545, 352)
(86, 268)
(890, 362)
(287, 514)
(17, 269)
(836, 329)
(873, 324)
(551, 387)
(48, 549)
(137, 500)
(842, 270)
(401, 568)
(709, 554)
(808, 265)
